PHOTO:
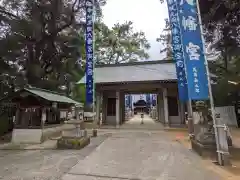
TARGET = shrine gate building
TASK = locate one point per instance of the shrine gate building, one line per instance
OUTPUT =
(113, 81)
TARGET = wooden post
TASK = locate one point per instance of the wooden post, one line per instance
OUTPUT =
(17, 117)
(165, 101)
(98, 103)
(117, 108)
(43, 117)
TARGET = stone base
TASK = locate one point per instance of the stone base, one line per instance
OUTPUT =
(204, 142)
(94, 133)
(209, 151)
(206, 151)
(27, 136)
(72, 143)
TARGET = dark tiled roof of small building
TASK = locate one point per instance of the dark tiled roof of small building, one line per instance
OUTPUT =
(47, 95)
(51, 96)
(163, 70)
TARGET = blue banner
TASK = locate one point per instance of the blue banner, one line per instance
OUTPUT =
(193, 50)
(89, 52)
(127, 100)
(154, 99)
(130, 101)
(177, 50)
(151, 99)
(148, 99)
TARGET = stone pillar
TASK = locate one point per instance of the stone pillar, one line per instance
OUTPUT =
(104, 108)
(77, 113)
(160, 107)
(182, 112)
(157, 108)
(17, 118)
(98, 103)
(122, 107)
(165, 106)
(43, 117)
(118, 105)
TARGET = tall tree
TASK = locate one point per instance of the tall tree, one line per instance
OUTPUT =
(120, 44)
(228, 82)
(165, 39)
(44, 44)
(37, 39)
(221, 19)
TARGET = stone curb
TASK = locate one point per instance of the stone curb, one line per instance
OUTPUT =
(175, 129)
(26, 148)
(220, 170)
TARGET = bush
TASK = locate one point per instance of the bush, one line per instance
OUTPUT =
(5, 125)
(73, 143)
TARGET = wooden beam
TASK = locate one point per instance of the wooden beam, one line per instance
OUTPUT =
(144, 87)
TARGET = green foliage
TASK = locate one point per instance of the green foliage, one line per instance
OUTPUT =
(5, 124)
(165, 39)
(43, 44)
(120, 44)
(228, 82)
(36, 38)
(221, 21)
(73, 143)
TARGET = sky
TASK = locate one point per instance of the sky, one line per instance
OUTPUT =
(146, 15)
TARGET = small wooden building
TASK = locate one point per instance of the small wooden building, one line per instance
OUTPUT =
(38, 113)
(141, 107)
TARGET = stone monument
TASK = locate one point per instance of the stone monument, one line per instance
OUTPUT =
(204, 142)
(75, 137)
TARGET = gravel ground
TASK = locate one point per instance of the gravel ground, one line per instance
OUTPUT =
(42, 164)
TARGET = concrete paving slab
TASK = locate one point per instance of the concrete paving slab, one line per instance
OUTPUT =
(144, 156)
(90, 177)
(42, 164)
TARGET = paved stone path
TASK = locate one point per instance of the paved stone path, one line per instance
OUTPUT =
(117, 154)
(140, 156)
(42, 164)
(148, 123)
(136, 120)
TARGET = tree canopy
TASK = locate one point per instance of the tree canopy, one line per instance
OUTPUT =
(221, 21)
(165, 38)
(120, 44)
(43, 44)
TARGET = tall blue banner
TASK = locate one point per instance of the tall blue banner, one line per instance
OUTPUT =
(89, 52)
(127, 100)
(154, 99)
(148, 99)
(151, 99)
(130, 101)
(177, 50)
(193, 50)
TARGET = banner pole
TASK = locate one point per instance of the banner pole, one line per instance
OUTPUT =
(90, 59)
(190, 119)
(189, 101)
(220, 159)
(94, 61)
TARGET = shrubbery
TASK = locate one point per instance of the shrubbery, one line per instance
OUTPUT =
(73, 143)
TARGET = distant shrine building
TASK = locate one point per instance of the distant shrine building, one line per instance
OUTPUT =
(139, 103)
(114, 82)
